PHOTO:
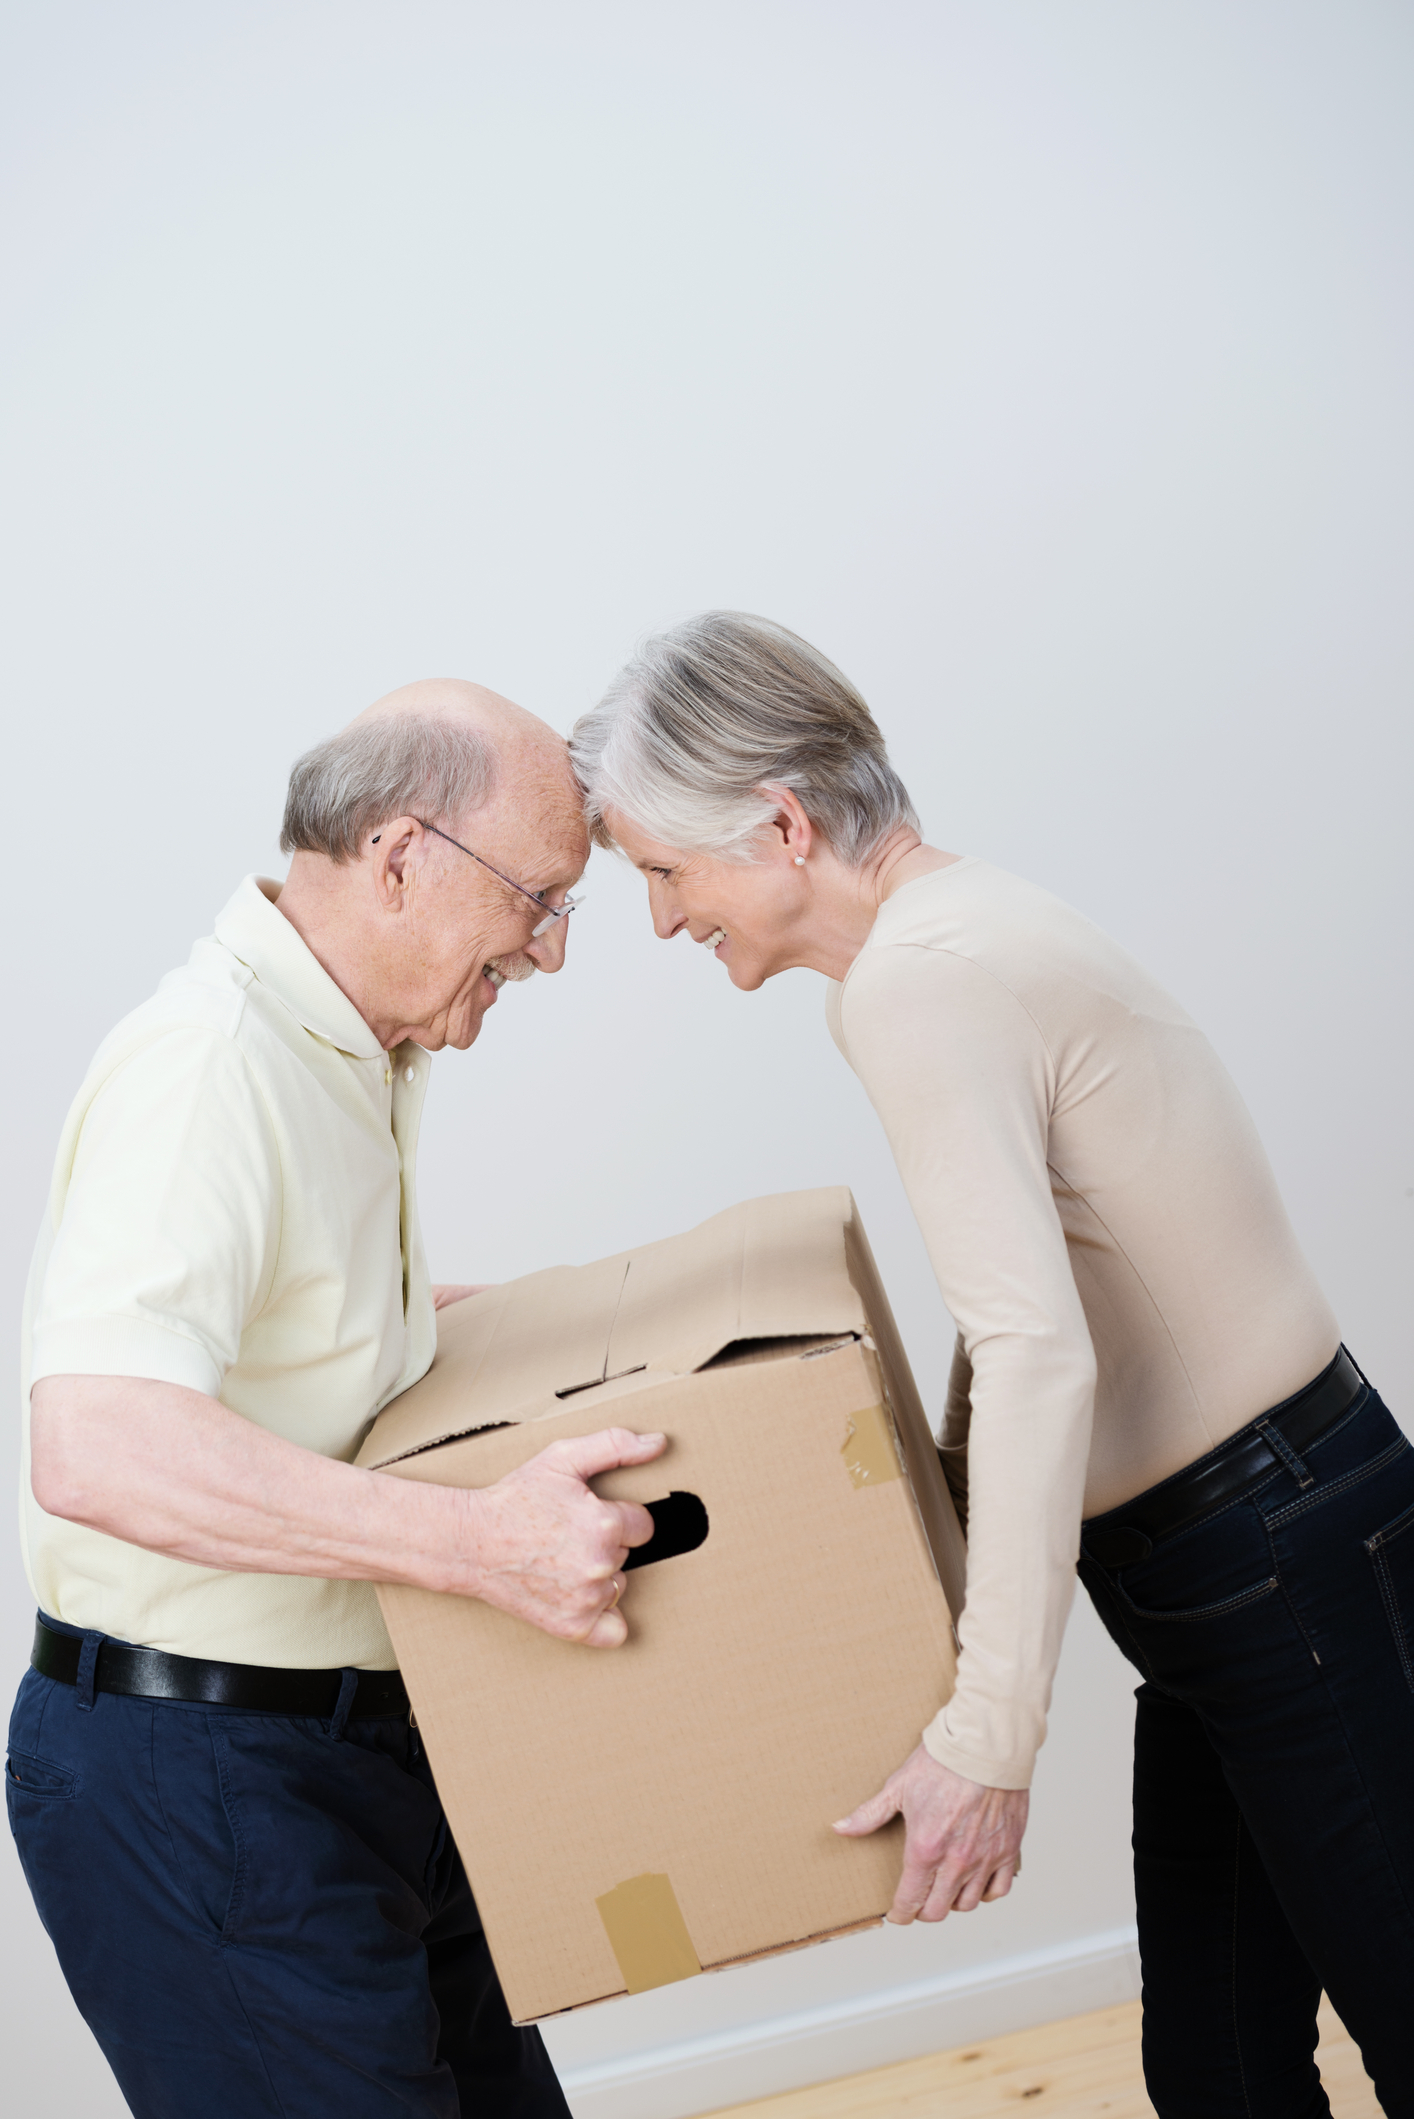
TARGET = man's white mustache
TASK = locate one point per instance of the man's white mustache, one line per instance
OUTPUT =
(513, 969)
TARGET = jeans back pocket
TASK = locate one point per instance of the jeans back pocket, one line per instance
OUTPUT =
(1391, 1553)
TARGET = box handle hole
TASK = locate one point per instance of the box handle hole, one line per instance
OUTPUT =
(679, 1525)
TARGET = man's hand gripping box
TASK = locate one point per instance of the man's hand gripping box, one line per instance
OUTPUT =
(637, 1815)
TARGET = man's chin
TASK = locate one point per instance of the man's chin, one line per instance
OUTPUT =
(464, 1028)
(464, 1034)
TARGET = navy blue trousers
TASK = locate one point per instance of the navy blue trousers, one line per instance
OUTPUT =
(1274, 1779)
(259, 1914)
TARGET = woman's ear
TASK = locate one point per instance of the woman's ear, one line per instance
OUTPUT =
(789, 828)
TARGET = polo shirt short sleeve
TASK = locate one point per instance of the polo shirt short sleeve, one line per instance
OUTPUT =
(178, 1158)
(234, 1210)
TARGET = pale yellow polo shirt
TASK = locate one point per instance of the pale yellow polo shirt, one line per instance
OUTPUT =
(233, 1210)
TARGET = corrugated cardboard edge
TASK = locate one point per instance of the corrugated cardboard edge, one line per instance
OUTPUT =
(377, 1463)
(724, 1964)
(922, 1465)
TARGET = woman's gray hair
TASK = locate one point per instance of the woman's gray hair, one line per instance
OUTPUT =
(709, 716)
(396, 765)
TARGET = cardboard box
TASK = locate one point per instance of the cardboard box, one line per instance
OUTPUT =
(634, 1816)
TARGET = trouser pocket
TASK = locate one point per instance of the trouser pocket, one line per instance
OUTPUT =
(38, 1779)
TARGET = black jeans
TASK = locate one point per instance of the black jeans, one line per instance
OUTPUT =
(1274, 1778)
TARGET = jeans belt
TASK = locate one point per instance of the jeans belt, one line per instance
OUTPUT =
(150, 1674)
(1127, 1534)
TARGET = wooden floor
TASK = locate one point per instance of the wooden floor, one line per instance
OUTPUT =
(1086, 2065)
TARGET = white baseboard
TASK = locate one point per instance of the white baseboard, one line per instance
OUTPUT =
(897, 2023)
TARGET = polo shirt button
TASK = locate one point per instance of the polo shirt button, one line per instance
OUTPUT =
(387, 1075)
(410, 1074)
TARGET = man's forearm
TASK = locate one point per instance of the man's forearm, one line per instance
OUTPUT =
(181, 1474)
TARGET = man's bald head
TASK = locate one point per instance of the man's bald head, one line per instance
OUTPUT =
(500, 720)
(420, 937)
(442, 749)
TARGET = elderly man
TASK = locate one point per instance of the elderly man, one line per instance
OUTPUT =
(219, 1795)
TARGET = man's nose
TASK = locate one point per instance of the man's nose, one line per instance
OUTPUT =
(547, 951)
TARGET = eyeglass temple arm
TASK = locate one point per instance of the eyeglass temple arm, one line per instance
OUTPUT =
(560, 912)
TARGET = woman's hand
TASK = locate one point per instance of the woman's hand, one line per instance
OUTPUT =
(441, 1296)
(964, 1840)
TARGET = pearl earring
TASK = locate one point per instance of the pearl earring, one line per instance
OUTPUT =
(800, 860)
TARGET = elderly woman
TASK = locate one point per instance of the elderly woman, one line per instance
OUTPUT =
(1146, 1372)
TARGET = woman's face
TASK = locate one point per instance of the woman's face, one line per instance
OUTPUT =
(749, 913)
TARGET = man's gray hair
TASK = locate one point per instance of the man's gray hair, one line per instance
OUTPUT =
(709, 716)
(396, 765)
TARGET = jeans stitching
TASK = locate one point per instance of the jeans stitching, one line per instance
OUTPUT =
(1375, 1547)
(1339, 1486)
(1372, 1810)
(1279, 1446)
(1392, 1613)
(1292, 1609)
(1214, 1515)
(1402, 1522)
(1203, 1611)
(1358, 1404)
(1262, 1480)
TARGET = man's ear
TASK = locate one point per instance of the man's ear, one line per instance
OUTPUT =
(395, 852)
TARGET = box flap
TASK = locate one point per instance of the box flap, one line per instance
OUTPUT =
(769, 1269)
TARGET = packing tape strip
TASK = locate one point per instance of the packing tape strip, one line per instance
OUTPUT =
(647, 1933)
(869, 1450)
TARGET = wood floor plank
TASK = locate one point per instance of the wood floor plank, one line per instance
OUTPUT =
(1351, 2092)
(1086, 2067)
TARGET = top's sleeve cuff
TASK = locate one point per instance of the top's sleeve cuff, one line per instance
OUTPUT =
(123, 1346)
(987, 1772)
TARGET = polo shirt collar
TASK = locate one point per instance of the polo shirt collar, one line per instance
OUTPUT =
(256, 932)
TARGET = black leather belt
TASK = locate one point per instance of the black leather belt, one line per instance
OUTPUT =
(149, 1674)
(1128, 1534)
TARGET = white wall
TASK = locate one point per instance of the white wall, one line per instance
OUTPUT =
(1046, 361)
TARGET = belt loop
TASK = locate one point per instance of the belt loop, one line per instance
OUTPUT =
(1279, 1446)
(343, 1706)
(84, 1683)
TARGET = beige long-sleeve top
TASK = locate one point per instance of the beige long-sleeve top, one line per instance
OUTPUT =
(1106, 1232)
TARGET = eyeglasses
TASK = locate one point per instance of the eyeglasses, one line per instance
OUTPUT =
(536, 897)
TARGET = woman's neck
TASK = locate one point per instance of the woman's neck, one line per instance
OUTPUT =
(842, 915)
(902, 859)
